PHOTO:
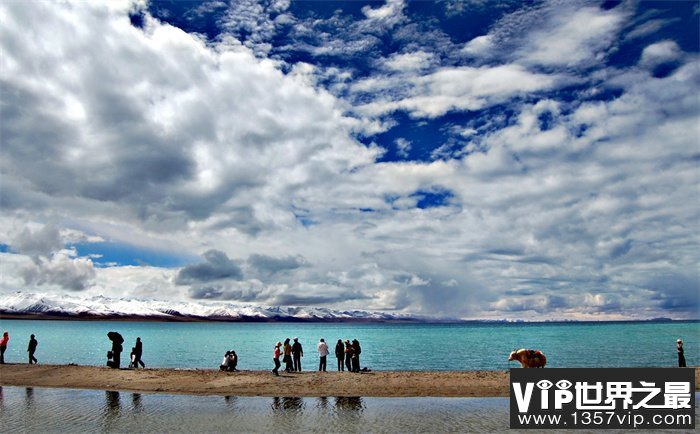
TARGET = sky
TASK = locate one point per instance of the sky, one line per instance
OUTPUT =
(466, 159)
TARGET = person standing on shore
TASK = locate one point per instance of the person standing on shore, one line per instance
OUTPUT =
(356, 350)
(276, 358)
(31, 348)
(348, 355)
(681, 356)
(323, 353)
(138, 351)
(297, 354)
(340, 354)
(3, 346)
(287, 351)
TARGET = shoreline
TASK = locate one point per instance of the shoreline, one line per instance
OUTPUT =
(261, 383)
(387, 384)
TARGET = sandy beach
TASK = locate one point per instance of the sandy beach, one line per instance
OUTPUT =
(263, 383)
(260, 383)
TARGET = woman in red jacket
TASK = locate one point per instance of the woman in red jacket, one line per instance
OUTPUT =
(3, 346)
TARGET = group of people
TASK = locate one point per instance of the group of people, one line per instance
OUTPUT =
(31, 348)
(292, 354)
(114, 356)
(230, 362)
(347, 353)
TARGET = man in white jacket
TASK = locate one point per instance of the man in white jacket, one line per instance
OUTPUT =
(322, 352)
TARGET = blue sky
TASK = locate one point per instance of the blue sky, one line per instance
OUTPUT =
(474, 159)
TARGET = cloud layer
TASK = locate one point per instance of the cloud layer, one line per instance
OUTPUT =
(542, 166)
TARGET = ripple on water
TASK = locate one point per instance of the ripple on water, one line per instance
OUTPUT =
(66, 410)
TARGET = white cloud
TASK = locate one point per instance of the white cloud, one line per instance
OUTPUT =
(660, 52)
(155, 138)
(409, 61)
(389, 13)
(462, 89)
(479, 46)
(403, 147)
(573, 38)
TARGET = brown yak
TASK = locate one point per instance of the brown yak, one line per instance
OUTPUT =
(528, 358)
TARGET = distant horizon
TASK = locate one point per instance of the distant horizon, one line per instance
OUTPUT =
(165, 312)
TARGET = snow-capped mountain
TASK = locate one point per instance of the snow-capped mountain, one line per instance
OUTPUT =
(22, 304)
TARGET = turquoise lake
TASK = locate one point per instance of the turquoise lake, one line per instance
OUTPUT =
(384, 346)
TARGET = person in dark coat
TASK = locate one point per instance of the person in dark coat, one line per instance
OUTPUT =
(681, 356)
(115, 354)
(348, 355)
(31, 348)
(287, 356)
(138, 351)
(297, 354)
(340, 354)
(356, 355)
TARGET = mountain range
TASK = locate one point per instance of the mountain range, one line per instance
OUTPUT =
(42, 306)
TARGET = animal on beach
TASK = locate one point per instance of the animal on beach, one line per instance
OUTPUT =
(528, 358)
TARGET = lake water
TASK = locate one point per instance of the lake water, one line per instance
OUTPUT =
(64, 410)
(384, 346)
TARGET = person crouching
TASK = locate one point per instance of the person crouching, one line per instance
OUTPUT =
(230, 362)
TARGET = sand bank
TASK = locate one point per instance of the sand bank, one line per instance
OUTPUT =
(263, 383)
(259, 383)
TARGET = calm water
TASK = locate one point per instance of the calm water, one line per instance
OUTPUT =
(64, 410)
(384, 346)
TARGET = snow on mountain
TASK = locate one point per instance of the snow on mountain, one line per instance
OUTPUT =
(21, 303)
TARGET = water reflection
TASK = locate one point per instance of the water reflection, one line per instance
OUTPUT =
(293, 404)
(136, 404)
(231, 402)
(29, 396)
(322, 403)
(286, 413)
(111, 410)
(348, 411)
(349, 403)
(57, 410)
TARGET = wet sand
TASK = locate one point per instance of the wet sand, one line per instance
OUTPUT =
(263, 383)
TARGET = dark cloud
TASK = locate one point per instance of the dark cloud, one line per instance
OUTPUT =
(217, 266)
(60, 270)
(536, 303)
(677, 292)
(42, 241)
(287, 299)
(220, 292)
(270, 265)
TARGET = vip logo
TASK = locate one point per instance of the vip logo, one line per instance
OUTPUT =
(602, 398)
(561, 394)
